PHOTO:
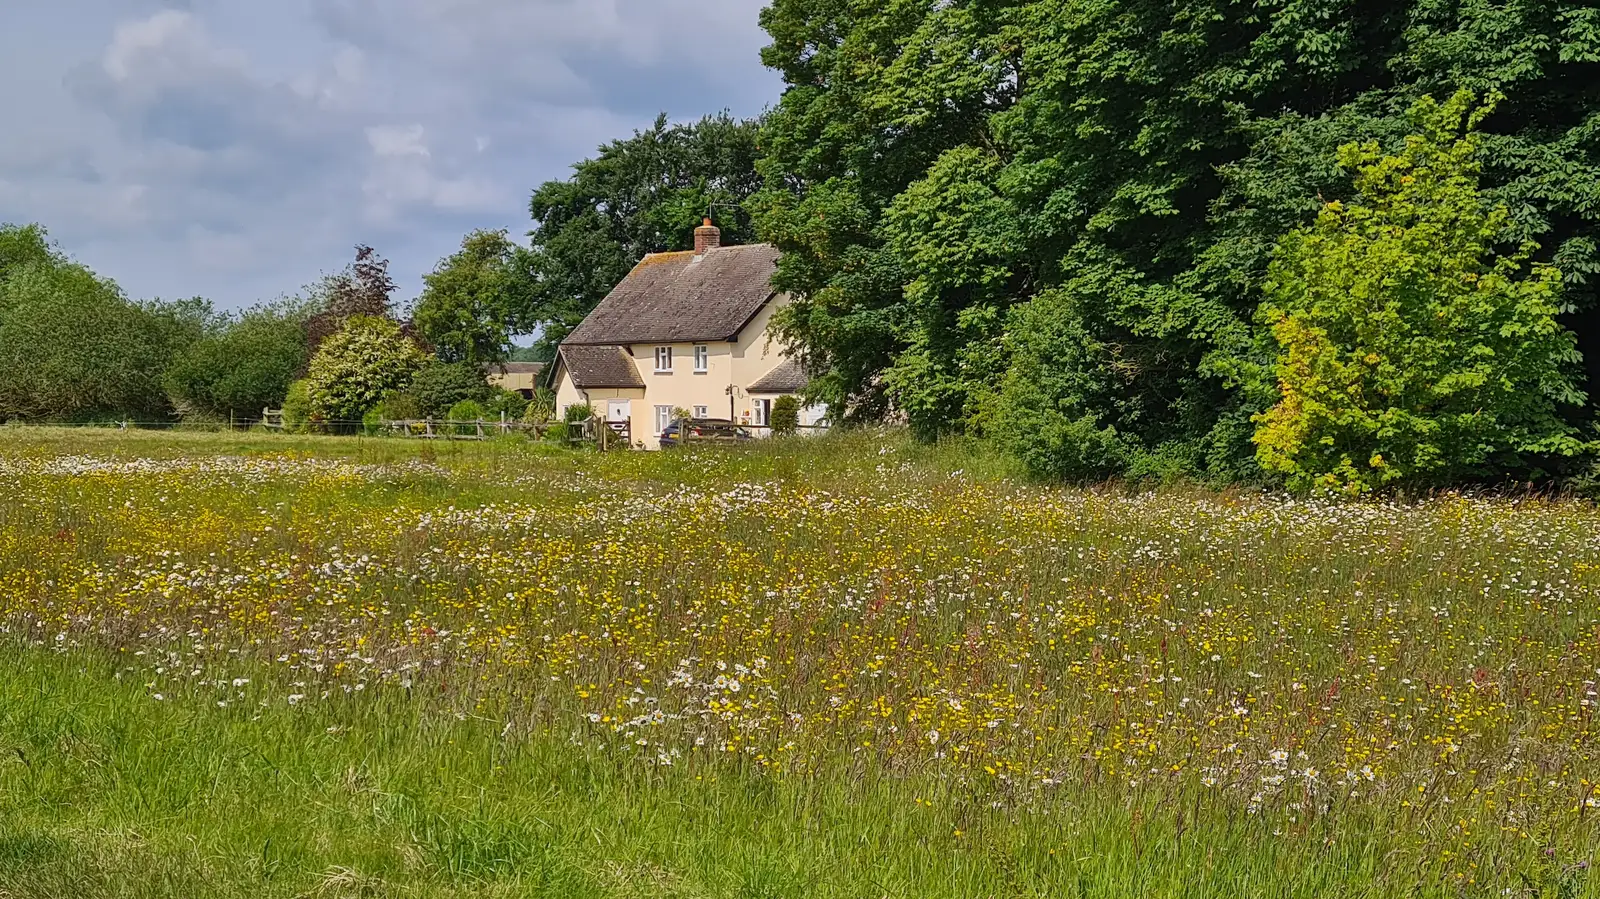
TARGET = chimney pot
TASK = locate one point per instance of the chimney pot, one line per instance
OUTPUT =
(707, 237)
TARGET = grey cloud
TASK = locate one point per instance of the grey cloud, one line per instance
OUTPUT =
(235, 152)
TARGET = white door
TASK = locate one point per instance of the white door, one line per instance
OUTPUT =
(617, 410)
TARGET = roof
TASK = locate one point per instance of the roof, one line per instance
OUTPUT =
(681, 297)
(600, 366)
(520, 368)
(787, 377)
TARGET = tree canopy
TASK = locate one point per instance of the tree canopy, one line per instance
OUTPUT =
(72, 347)
(468, 301)
(1052, 221)
(644, 194)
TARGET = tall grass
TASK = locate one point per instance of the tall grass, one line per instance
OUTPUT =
(853, 666)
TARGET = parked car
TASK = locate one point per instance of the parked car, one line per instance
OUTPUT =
(696, 430)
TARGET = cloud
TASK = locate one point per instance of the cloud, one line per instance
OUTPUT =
(236, 150)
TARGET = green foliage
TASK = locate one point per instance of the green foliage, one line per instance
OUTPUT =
(364, 287)
(537, 353)
(243, 365)
(466, 411)
(641, 195)
(578, 413)
(785, 415)
(1128, 167)
(297, 411)
(399, 405)
(505, 402)
(1411, 351)
(358, 365)
(467, 302)
(541, 408)
(439, 385)
(73, 348)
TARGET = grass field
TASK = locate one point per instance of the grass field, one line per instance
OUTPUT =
(850, 666)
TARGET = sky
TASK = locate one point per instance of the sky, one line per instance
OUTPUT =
(237, 151)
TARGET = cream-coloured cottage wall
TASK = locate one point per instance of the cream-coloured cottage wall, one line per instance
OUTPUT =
(755, 354)
(682, 387)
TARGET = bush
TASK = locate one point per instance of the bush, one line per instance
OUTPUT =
(785, 415)
(505, 402)
(557, 433)
(578, 413)
(440, 385)
(297, 408)
(1059, 373)
(542, 408)
(73, 348)
(244, 366)
(1411, 350)
(358, 366)
(466, 411)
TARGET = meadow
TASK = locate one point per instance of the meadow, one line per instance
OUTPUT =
(853, 666)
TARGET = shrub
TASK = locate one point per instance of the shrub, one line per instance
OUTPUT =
(577, 413)
(506, 402)
(440, 385)
(542, 408)
(73, 347)
(785, 415)
(244, 366)
(1059, 375)
(358, 365)
(1411, 350)
(297, 408)
(466, 411)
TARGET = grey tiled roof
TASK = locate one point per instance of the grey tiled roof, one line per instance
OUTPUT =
(678, 297)
(518, 368)
(787, 377)
(600, 366)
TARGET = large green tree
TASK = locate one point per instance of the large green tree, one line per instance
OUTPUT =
(644, 194)
(1411, 349)
(959, 188)
(468, 301)
(244, 363)
(73, 347)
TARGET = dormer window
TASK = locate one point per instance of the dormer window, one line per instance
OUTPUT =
(702, 359)
(664, 359)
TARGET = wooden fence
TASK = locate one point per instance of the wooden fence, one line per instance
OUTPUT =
(607, 435)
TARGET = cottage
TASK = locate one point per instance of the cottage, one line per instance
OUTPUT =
(683, 331)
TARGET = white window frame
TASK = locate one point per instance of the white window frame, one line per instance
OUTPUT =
(762, 413)
(702, 411)
(663, 418)
(663, 359)
(702, 359)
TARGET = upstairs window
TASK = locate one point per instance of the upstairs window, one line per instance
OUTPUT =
(702, 359)
(663, 358)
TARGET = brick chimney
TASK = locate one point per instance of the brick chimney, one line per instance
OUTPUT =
(707, 237)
